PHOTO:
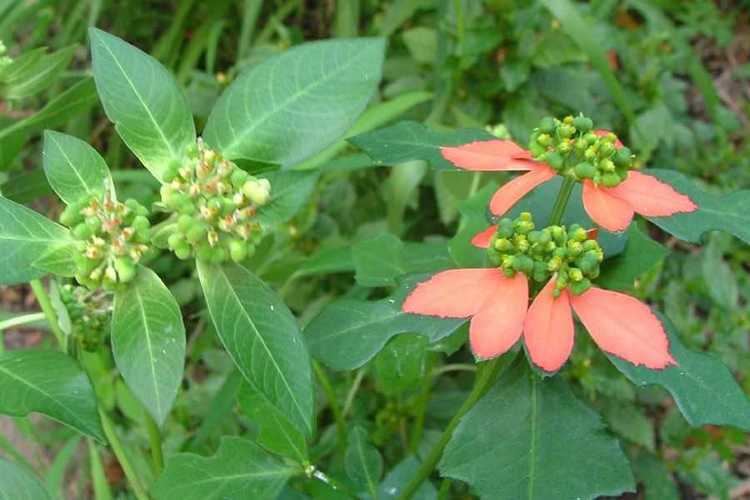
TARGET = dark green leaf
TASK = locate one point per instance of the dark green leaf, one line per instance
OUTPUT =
(262, 337)
(240, 470)
(655, 476)
(725, 212)
(531, 438)
(401, 365)
(141, 97)
(363, 462)
(148, 342)
(407, 141)
(397, 479)
(25, 236)
(19, 483)
(289, 193)
(295, 104)
(73, 168)
(275, 432)
(720, 279)
(701, 385)
(640, 256)
(51, 383)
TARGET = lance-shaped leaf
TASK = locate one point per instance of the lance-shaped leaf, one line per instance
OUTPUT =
(295, 104)
(25, 236)
(240, 470)
(396, 480)
(19, 483)
(348, 333)
(407, 140)
(73, 168)
(275, 432)
(290, 190)
(531, 438)
(51, 383)
(262, 337)
(700, 384)
(363, 463)
(148, 342)
(725, 212)
(141, 97)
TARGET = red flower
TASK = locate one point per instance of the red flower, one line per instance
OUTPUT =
(499, 312)
(610, 207)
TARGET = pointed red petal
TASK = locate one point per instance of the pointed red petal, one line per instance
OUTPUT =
(651, 197)
(548, 330)
(613, 214)
(489, 155)
(498, 325)
(623, 326)
(512, 191)
(482, 239)
(457, 293)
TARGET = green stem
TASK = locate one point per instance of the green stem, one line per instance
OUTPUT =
(49, 312)
(485, 376)
(558, 210)
(154, 439)
(338, 415)
(119, 451)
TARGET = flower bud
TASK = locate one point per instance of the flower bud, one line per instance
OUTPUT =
(583, 123)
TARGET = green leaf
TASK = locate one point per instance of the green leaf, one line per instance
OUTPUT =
(293, 105)
(141, 97)
(407, 140)
(58, 260)
(397, 479)
(148, 342)
(531, 438)
(363, 463)
(73, 168)
(400, 189)
(262, 337)
(474, 218)
(655, 477)
(640, 256)
(33, 72)
(290, 191)
(702, 387)
(402, 364)
(348, 333)
(719, 277)
(51, 383)
(629, 421)
(25, 236)
(725, 212)
(19, 483)
(275, 432)
(240, 470)
(422, 44)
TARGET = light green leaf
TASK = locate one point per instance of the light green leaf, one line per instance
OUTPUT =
(51, 383)
(726, 212)
(19, 483)
(240, 470)
(295, 104)
(290, 191)
(262, 337)
(640, 256)
(33, 72)
(25, 236)
(73, 168)
(141, 97)
(348, 333)
(58, 260)
(422, 44)
(275, 433)
(148, 342)
(702, 387)
(363, 463)
(531, 438)
(407, 140)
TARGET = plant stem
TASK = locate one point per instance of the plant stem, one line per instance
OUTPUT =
(338, 416)
(558, 209)
(154, 439)
(119, 451)
(49, 312)
(485, 376)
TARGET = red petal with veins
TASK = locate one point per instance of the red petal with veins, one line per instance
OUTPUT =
(548, 330)
(499, 324)
(494, 155)
(611, 213)
(651, 197)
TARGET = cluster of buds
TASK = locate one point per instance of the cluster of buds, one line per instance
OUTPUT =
(574, 149)
(89, 313)
(565, 253)
(112, 238)
(215, 203)
(5, 61)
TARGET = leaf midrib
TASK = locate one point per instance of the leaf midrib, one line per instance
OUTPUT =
(150, 348)
(70, 164)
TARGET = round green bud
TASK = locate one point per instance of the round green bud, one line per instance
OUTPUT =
(175, 240)
(238, 178)
(95, 223)
(141, 223)
(578, 287)
(544, 139)
(547, 125)
(575, 274)
(554, 159)
(125, 269)
(69, 216)
(523, 264)
(184, 223)
(237, 250)
(566, 130)
(610, 179)
(83, 231)
(196, 233)
(585, 170)
(623, 157)
(182, 251)
(583, 123)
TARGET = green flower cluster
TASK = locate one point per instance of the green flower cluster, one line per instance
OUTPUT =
(89, 313)
(574, 150)
(214, 204)
(112, 238)
(565, 253)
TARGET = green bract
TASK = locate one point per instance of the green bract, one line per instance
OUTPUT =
(89, 313)
(565, 253)
(112, 237)
(575, 150)
(214, 204)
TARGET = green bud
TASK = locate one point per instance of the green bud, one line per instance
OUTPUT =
(175, 240)
(182, 251)
(585, 170)
(141, 223)
(547, 125)
(606, 165)
(610, 180)
(575, 274)
(544, 139)
(566, 130)
(185, 223)
(523, 264)
(623, 157)
(196, 233)
(125, 269)
(83, 231)
(578, 287)
(503, 245)
(554, 159)
(237, 250)
(583, 124)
